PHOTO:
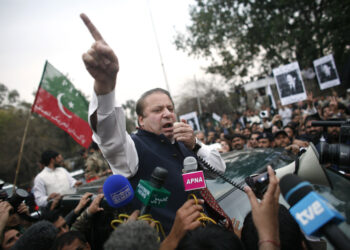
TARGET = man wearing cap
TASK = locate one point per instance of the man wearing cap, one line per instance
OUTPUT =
(265, 140)
(281, 139)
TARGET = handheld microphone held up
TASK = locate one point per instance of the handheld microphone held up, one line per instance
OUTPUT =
(313, 213)
(118, 191)
(192, 179)
(151, 193)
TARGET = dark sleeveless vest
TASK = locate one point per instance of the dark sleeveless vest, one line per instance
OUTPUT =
(157, 151)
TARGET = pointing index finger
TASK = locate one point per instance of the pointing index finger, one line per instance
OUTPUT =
(93, 31)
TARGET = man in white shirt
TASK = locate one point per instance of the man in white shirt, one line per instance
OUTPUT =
(52, 180)
(160, 140)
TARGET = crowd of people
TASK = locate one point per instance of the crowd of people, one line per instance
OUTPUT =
(288, 126)
(161, 141)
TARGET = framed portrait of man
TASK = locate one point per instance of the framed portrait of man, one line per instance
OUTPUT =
(326, 72)
(289, 83)
(191, 119)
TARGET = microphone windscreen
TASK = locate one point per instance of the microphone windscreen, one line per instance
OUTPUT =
(118, 191)
(190, 164)
(293, 188)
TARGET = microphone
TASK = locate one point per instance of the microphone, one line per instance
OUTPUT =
(192, 179)
(118, 191)
(313, 213)
(151, 193)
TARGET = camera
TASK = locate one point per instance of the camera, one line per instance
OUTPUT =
(16, 198)
(338, 154)
(334, 153)
(258, 183)
(264, 114)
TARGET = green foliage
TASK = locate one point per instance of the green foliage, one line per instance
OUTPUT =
(241, 35)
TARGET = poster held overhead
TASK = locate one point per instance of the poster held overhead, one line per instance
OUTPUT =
(289, 83)
(192, 120)
(326, 72)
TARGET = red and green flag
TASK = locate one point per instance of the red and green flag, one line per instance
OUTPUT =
(58, 101)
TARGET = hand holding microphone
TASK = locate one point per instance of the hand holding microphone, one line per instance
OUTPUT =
(183, 132)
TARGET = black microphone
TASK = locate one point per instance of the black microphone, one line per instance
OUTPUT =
(151, 193)
(313, 213)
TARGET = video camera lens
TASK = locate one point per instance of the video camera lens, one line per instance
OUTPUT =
(334, 153)
(17, 198)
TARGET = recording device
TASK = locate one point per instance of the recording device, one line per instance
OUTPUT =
(16, 198)
(312, 212)
(338, 154)
(306, 166)
(192, 179)
(151, 193)
(117, 191)
(258, 183)
(264, 114)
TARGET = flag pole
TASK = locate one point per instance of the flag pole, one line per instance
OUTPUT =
(21, 152)
(25, 134)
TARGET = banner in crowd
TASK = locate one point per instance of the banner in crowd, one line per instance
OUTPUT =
(271, 98)
(326, 72)
(216, 117)
(58, 101)
(289, 83)
(191, 119)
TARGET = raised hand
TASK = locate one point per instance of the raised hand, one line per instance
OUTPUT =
(183, 132)
(265, 213)
(100, 61)
(185, 220)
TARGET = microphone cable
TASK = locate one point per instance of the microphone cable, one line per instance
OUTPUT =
(122, 218)
(211, 169)
(203, 217)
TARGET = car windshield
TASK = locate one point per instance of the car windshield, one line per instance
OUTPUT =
(242, 163)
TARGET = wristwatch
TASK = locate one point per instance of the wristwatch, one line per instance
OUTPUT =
(197, 146)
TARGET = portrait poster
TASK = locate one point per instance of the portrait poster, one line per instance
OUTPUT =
(289, 83)
(191, 119)
(326, 72)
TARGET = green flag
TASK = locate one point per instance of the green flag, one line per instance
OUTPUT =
(58, 101)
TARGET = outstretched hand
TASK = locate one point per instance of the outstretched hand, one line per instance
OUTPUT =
(185, 220)
(265, 213)
(100, 61)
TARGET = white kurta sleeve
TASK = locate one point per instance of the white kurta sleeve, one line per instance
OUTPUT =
(115, 143)
(39, 192)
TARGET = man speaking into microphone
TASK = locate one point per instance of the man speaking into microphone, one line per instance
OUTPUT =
(159, 141)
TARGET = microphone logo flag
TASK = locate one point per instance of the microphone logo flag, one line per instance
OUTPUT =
(121, 195)
(312, 212)
(194, 180)
(150, 195)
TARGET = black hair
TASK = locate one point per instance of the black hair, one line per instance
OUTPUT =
(140, 102)
(67, 239)
(314, 117)
(291, 236)
(51, 215)
(47, 155)
(38, 236)
(210, 237)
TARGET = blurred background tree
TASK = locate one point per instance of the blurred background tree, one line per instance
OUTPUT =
(249, 38)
